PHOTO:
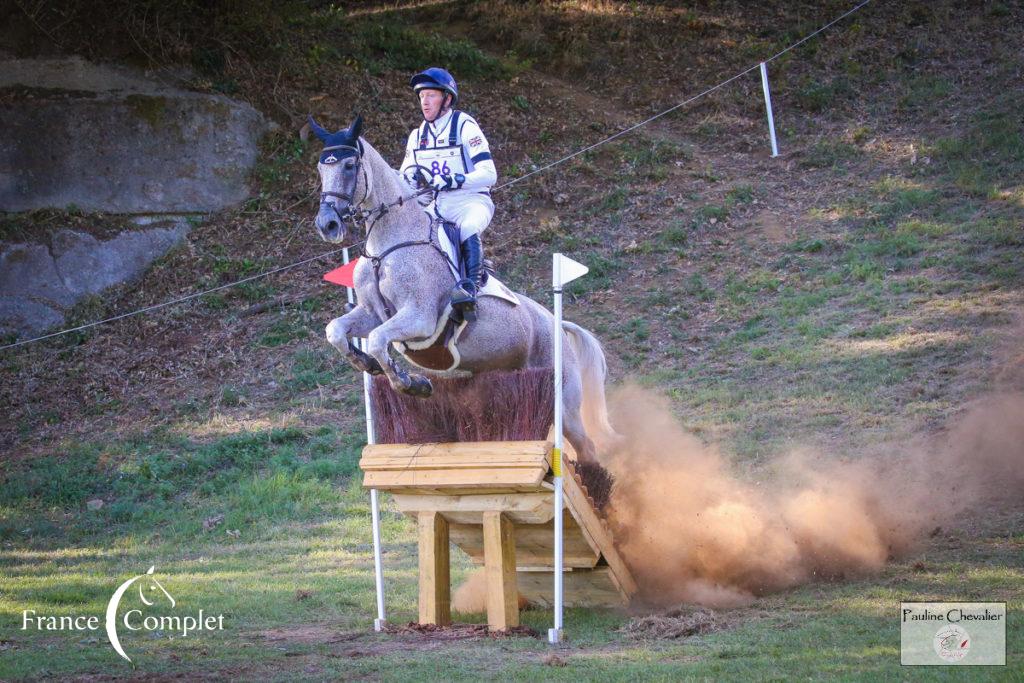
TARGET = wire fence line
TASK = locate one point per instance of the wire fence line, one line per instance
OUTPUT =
(682, 104)
(546, 167)
(173, 302)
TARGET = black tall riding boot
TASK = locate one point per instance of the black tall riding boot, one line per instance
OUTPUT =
(464, 294)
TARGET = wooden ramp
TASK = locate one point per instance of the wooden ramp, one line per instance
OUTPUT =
(495, 500)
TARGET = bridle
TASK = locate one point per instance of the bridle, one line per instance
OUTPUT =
(350, 214)
(360, 219)
(365, 219)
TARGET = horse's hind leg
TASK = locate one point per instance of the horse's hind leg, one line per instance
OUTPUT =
(406, 324)
(572, 420)
(572, 427)
(358, 322)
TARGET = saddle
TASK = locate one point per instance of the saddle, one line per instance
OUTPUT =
(439, 352)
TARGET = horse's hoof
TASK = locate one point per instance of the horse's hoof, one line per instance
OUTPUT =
(419, 386)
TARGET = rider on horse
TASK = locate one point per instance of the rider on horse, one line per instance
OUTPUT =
(450, 145)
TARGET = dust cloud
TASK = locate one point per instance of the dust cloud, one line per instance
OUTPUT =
(471, 595)
(694, 530)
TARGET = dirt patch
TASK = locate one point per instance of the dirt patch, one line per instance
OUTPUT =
(770, 225)
(680, 622)
(308, 634)
(459, 631)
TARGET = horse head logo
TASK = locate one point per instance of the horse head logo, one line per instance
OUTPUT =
(148, 587)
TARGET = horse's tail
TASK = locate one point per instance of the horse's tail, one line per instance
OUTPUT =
(593, 372)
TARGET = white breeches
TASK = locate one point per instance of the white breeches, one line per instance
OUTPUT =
(472, 212)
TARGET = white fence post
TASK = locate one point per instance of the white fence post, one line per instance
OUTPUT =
(555, 634)
(563, 271)
(768, 107)
(378, 562)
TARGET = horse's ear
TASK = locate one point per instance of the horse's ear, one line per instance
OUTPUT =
(356, 129)
(317, 129)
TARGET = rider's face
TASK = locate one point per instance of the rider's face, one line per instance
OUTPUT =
(430, 103)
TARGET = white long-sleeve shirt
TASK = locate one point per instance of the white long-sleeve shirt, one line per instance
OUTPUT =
(480, 174)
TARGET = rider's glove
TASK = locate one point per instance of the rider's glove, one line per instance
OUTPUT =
(443, 181)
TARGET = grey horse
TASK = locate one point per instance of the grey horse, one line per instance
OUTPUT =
(401, 298)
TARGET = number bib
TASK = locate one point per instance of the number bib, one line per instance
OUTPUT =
(441, 160)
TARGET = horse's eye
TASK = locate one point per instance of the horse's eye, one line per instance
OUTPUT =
(349, 165)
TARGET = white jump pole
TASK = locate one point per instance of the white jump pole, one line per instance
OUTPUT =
(768, 107)
(555, 634)
(378, 562)
(563, 270)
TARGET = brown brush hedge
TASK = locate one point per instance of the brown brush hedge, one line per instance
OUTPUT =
(505, 405)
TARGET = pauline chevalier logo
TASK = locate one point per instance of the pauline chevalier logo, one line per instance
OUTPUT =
(152, 594)
(952, 643)
(953, 633)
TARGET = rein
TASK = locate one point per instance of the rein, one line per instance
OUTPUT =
(358, 218)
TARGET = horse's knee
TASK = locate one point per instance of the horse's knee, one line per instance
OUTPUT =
(336, 333)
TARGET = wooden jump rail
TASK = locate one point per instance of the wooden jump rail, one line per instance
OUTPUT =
(494, 500)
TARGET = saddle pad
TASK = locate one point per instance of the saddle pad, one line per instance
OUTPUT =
(433, 353)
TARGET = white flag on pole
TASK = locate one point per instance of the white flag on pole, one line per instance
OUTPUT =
(566, 270)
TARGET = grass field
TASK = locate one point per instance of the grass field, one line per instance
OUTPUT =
(853, 296)
(295, 586)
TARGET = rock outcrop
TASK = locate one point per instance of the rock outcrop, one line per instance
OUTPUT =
(39, 283)
(112, 140)
(109, 139)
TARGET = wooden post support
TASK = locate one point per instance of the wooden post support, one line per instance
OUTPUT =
(494, 501)
(435, 578)
(500, 567)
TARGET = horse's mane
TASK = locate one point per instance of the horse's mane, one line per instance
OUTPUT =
(388, 187)
(379, 163)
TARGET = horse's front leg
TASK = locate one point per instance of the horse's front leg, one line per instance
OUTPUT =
(358, 322)
(407, 324)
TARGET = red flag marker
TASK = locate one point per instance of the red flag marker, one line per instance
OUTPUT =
(344, 276)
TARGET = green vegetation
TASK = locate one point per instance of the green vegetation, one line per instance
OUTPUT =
(388, 45)
(986, 158)
(168, 483)
(601, 276)
(818, 96)
(829, 154)
(291, 526)
(289, 327)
